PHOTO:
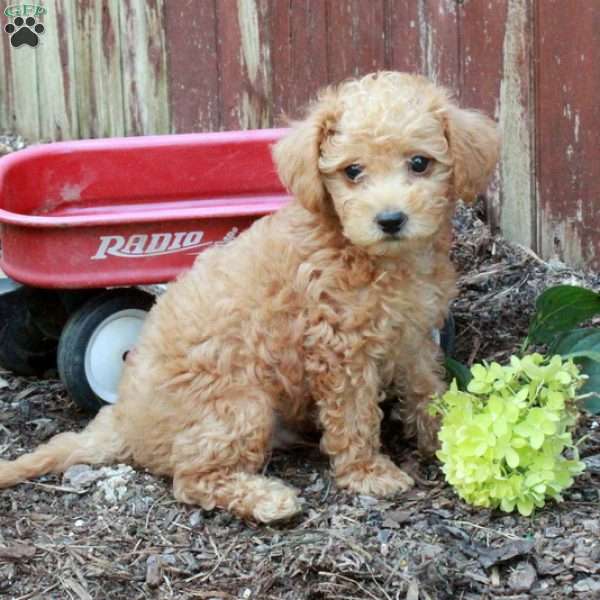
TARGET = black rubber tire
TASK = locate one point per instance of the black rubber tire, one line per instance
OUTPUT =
(77, 334)
(25, 348)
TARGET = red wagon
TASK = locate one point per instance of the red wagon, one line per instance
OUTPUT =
(87, 224)
(84, 222)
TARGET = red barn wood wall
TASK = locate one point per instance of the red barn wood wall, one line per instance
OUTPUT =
(134, 67)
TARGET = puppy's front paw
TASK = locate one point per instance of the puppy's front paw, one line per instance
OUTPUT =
(378, 477)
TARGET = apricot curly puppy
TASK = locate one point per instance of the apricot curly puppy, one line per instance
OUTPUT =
(314, 311)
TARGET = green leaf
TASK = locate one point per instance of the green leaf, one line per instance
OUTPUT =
(559, 309)
(593, 405)
(592, 385)
(583, 345)
(565, 342)
(595, 356)
(458, 371)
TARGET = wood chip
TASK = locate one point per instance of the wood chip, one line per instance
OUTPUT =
(17, 551)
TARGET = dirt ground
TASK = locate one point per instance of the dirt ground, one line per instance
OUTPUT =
(116, 533)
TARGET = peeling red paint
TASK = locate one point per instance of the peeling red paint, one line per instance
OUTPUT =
(567, 126)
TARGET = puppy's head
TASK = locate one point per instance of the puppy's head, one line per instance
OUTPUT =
(387, 154)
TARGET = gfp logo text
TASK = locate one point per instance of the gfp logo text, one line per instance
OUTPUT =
(25, 10)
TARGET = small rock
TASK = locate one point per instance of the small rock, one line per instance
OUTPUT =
(367, 501)
(547, 567)
(589, 584)
(139, 506)
(591, 526)
(4, 149)
(394, 518)
(592, 463)
(541, 587)
(196, 518)
(523, 577)
(154, 571)
(80, 476)
(586, 564)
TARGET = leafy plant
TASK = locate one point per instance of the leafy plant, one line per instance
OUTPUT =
(502, 440)
(559, 310)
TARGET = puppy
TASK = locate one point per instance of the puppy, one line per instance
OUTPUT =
(310, 314)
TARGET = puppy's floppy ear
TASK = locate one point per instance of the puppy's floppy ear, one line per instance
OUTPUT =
(474, 144)
(297, 154)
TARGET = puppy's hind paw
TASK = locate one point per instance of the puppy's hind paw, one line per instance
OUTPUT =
(379, 477)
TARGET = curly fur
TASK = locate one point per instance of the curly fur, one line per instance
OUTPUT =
(310, 314)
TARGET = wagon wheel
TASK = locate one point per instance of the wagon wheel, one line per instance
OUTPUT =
(95, 342)
(27, 347)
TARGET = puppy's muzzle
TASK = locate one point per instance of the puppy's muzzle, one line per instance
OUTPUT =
(391, 222)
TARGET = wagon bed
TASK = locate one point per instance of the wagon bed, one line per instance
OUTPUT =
(130, 211)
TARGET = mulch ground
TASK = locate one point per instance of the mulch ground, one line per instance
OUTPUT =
(117, 533)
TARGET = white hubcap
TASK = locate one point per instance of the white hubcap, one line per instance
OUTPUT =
(105, 354)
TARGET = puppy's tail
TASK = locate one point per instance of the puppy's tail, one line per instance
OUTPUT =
(98, 443)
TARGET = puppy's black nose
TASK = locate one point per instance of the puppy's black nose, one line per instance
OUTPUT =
(391, 222)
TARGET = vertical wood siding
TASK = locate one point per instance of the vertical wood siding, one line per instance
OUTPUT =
(568, 131)
(98, 73)
(134, 67)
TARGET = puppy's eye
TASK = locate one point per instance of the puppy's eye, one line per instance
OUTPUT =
(353, 171)
(419, 164)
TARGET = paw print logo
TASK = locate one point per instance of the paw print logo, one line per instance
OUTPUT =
(24, 31)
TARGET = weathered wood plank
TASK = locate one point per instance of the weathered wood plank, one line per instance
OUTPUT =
(5, 87)
(356, 43)
(567, 121)
(516, 119)
(55, 73)
(145, 88)
(98, 72)
(245, 63)
(20, 96)
(299, 33)
(404, 46)
(439, 39)
(193, 65)
(482, 28)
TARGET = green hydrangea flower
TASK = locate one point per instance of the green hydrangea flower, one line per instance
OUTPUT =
(503, 441)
